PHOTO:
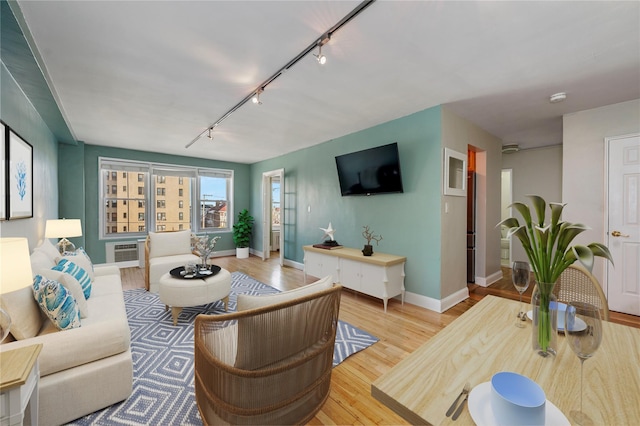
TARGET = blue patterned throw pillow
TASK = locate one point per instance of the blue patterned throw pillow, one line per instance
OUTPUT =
(57, 302)
(65, 265)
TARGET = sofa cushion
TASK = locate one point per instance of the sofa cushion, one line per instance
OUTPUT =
(246, 302)
(56, 302)
(40, 261)
(48, 249)
(26, 317)
(80, 258)
(169, 243)
(78, 273)
(71, 284)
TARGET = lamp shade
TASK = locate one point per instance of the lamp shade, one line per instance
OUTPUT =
(15, 265)
(63, 228)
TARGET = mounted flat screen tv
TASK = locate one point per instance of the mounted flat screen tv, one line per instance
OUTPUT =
(371, 171)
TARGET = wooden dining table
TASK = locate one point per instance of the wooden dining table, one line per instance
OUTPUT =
(484, 341)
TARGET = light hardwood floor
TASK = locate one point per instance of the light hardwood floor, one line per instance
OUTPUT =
(401, 331)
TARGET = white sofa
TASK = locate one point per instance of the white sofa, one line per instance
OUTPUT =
(84, 369)
(165, 251)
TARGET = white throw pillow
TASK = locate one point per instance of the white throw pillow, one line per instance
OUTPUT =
(40, 261)
(245, 302)
(26, 320)
(169, 243)
(48, 249)
(71, 284)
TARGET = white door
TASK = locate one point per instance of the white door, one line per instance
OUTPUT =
(267, 178)
(623, 279)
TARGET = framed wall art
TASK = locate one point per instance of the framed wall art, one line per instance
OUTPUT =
(3, 171)
(20, 166)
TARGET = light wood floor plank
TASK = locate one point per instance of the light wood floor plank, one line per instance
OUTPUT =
(401, 331)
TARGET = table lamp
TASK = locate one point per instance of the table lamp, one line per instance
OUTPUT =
(15, 273)
(63, 228)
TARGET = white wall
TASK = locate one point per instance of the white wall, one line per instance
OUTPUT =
(583, 165)
(538, 172)
(458, 134)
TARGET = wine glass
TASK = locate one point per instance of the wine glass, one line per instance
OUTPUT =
(583, 330)
(520, 275)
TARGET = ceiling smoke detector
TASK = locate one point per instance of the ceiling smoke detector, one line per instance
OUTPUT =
(557, 97)
(510, 148)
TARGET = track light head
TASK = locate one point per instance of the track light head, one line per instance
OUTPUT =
(320, 57)
(209, 135)
(256, 97)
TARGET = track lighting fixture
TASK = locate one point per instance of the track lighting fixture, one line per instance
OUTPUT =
(256, 97)
(320, 57)
(319, 42)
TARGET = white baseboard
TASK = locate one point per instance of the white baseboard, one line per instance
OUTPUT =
(487, 281)
(436, 305)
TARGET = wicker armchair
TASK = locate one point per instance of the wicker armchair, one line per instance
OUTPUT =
(577, 284)
(269, 364)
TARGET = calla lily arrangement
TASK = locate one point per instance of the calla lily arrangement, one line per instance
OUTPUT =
(549, 252)
(547, 245)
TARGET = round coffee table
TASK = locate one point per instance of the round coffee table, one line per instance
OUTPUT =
(180, 293)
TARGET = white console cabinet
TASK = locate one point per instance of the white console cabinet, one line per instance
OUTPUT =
(380, 275)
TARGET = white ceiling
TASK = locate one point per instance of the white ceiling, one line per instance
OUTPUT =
(153, 75)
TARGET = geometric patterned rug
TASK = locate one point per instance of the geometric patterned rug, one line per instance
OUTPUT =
(163, 391)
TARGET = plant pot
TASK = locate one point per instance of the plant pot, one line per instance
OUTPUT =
(242, 252)
(544, 304)
(367, 250)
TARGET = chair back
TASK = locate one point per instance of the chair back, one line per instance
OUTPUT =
(268, 365)
(578, 284)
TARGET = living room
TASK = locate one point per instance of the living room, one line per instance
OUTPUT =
(422, 224)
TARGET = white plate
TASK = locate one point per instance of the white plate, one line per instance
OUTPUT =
(580, 325)
(482, 414)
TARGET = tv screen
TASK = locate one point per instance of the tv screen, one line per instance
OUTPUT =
(371, 171)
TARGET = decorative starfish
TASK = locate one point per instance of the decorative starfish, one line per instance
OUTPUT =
(329, 231)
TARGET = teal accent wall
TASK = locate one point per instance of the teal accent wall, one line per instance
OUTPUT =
(409, 222)
(90, 176)
(71, 173)
(18, 112)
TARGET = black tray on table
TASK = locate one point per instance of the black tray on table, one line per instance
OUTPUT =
(210, 272)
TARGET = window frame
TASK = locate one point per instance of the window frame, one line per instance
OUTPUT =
(150, 171)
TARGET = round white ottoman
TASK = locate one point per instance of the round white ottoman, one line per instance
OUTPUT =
(180, 293)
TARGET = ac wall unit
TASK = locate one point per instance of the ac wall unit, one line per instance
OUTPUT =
(126, 251)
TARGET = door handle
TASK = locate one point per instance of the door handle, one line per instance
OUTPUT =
(619, 234)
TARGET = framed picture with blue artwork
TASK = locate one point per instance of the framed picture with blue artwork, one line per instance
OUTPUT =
(20, 180)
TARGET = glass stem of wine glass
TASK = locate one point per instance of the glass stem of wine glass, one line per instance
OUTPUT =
(581, 378)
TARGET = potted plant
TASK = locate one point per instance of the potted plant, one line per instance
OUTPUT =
(242, 234)
(369, 235)
(549, 253)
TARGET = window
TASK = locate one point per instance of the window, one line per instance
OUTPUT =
(142, 196)
(213, 200)
(275, 203)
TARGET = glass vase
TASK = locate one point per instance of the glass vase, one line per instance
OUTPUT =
(544, 305)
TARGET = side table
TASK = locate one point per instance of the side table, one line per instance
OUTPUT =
(19, 378)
